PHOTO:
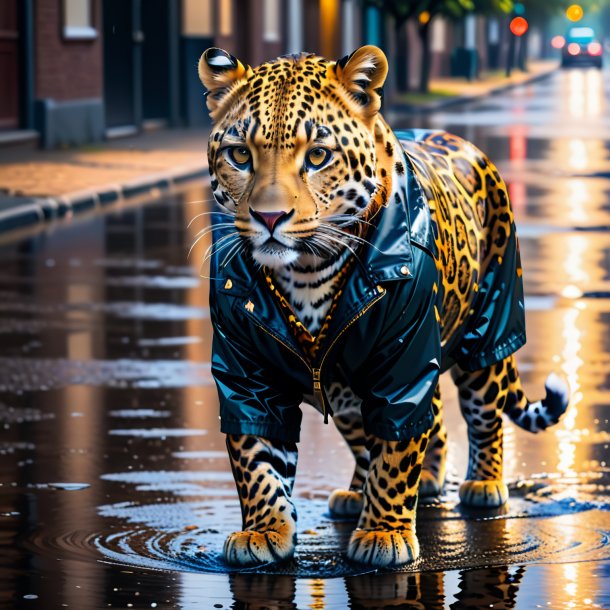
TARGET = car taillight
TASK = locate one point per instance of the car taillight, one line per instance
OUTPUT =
(558, 42)
(573, 48)
(594, 48)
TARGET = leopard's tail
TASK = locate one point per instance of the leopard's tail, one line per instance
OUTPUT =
(539, 415)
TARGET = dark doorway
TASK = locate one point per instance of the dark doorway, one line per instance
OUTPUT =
(140, 53)
(9, 65)
(243, 28)
(119, 40)
(155, 59)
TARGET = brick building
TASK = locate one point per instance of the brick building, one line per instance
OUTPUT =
(78, 71)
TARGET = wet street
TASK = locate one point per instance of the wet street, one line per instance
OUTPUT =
(115, 491)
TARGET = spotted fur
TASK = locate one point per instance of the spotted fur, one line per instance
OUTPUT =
(300, 160)
(264, 474)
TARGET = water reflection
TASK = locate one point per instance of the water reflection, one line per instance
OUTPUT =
(584, 92)
(105, 345)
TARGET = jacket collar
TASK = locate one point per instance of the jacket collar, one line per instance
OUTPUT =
(404, 218)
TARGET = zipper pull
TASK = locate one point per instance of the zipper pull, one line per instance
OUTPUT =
(317, 393)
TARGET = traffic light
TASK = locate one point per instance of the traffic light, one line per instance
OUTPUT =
(518, 26)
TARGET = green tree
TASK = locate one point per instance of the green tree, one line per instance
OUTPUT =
(430, 10)
(425, 11)
(401, 11)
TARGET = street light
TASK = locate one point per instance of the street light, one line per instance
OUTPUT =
(574, 12)
(424, 17)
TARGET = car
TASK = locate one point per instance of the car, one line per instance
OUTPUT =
(582, 48)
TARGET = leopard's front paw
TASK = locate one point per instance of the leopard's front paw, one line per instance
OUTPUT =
(252, 548)
(483, 494)
(429, 486)
(345, 503)
(383, 548)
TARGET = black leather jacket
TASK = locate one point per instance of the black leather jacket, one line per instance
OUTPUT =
(384, 339)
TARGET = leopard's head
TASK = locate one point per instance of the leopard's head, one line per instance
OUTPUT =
(294, 150)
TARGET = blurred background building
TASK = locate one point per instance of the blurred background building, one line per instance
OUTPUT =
(78, 71)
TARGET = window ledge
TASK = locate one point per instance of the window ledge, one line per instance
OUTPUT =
(79, 33)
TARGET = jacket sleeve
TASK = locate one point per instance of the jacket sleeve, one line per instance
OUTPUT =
(253, 398)
(398, 379)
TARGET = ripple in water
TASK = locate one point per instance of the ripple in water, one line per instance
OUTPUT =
(550, 523)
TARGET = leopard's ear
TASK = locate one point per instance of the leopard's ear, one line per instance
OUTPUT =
(220, 72)
(363, 73)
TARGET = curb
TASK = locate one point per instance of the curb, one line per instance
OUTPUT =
(22, 212)
(463, 99)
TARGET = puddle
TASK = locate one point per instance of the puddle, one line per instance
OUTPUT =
(545, 522)
(105, 379)
(139, 413)
(161, 433)
(69, 486)
(35, 374)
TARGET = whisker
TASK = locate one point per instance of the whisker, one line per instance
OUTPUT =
(233, 244)
(218, 242)
(213, 243)
(208, 214)
(336, 231)
(344, 245)
(354, 217)
(216, 248)
(240, 248)
(200, 201)
(328, 247)
(210, 228)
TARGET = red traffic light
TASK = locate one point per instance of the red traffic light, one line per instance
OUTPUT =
(518, 26)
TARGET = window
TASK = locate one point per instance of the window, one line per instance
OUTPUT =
(78, 20)
(197, 18)
(226, 17)
(271, 21)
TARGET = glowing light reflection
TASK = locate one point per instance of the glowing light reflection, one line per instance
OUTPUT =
(577, 157)
(566, 434)
(594, 94)
(585, 94)
(578, 247)
(578, 197)
(576, 96)
(316, 590)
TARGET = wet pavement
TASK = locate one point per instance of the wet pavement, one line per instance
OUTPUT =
(115, 491)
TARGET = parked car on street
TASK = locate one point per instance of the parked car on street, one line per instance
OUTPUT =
(582, 48)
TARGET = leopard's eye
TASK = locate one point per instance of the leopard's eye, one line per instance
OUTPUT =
(240, 156)
(318, 157)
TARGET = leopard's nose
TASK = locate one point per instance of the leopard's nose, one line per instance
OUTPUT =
(271, 219)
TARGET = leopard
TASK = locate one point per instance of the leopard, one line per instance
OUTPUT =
(303, 169)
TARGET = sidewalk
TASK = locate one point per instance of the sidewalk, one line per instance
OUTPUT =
(448, 91)
(39, 185)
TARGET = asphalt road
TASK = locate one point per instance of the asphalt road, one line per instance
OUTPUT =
(114, 487)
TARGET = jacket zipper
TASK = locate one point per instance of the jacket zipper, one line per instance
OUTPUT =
(317, 371)
(288, 347)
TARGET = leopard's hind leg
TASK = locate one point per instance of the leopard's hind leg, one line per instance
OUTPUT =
(433, 468)
(348, 420)
(482, 396)
(264, 471)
